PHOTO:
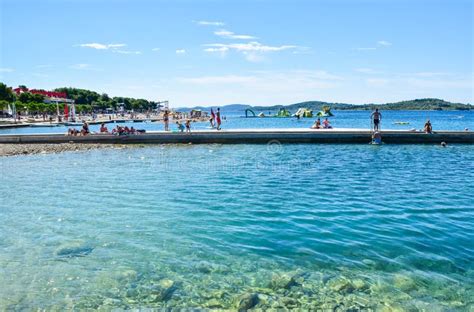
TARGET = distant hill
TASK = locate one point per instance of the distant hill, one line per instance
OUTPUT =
(418, 104)
(228, 108)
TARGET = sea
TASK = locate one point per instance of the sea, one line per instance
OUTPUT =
(236, 227)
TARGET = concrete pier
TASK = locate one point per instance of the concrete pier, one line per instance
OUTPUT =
(252, 136)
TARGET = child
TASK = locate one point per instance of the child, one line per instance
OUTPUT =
(180, 126)
(188, 126)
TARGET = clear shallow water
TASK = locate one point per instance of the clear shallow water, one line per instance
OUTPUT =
(223, 226)
(441, 120)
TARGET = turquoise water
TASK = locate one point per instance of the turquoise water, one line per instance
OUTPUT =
(441, 120)
(334, 227)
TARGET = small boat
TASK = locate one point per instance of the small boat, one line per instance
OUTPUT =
(401, 123)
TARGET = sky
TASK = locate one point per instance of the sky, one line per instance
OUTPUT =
(248, 52)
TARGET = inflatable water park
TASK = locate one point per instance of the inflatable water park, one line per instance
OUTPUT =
(302, 112)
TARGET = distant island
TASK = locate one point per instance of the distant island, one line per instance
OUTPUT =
(88, 101)
(418, 104)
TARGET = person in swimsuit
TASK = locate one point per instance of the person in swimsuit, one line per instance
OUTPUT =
(218, 119)
(317, 124)
(428, 128)
(326, 124)
(85, 129)
(376, 117)
(188, 125)
(166, 120)
(103, 128)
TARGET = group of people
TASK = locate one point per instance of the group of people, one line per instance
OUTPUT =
(317, 124)
(84, 130)
(118, 130)
(215, 119)
(187, 126)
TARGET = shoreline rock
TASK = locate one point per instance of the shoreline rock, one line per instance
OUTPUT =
(34, 149)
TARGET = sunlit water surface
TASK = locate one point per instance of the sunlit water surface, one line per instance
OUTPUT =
(229, 226)
(441, 120)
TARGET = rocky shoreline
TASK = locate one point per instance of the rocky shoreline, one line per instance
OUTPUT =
(31, 149)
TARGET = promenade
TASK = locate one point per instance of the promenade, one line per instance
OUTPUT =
(252, 136)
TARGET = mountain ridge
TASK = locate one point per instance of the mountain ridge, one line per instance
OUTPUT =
(416, 104)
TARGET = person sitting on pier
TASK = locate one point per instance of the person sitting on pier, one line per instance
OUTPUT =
(72, 131)
(317, 124)
(132, 130)
(103, 128)
(180, 126)
(118, 130)
(327, 124)
(85, 129)
(428, 128)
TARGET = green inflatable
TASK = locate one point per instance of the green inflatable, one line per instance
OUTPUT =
(325, 112)
(283, 113)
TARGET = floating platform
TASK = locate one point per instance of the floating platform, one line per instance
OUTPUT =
(252, 136)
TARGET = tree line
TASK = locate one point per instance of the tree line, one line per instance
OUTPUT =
(87, 101)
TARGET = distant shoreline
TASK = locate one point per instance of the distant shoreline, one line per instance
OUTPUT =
(411, 105)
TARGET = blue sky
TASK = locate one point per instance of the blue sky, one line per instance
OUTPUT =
(253, 52)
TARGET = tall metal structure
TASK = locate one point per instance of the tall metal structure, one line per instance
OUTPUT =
(164, 104)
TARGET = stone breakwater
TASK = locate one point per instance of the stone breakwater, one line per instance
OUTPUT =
(29, 149)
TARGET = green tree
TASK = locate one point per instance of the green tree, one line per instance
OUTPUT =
(20, 106)
(3, 105)
(104, 97)
(6, 94)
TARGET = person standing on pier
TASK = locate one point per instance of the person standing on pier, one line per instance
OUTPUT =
(166, 120)
(376, 117)
(218, 118)
(211, 120)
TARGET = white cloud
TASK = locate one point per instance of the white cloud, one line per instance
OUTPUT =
(209, 23)
(230, 35)
(155, 49)
(384, 43)
(114, 46)
(100, 46)
(251, 46)
(270, 81)
(181, 51)
(380, 44)
(127, 52)
(252, 51)
(365, 70)
(6, 70)
(81, 66)
(221, 49)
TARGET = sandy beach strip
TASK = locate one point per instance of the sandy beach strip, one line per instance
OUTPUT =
(30, 149)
